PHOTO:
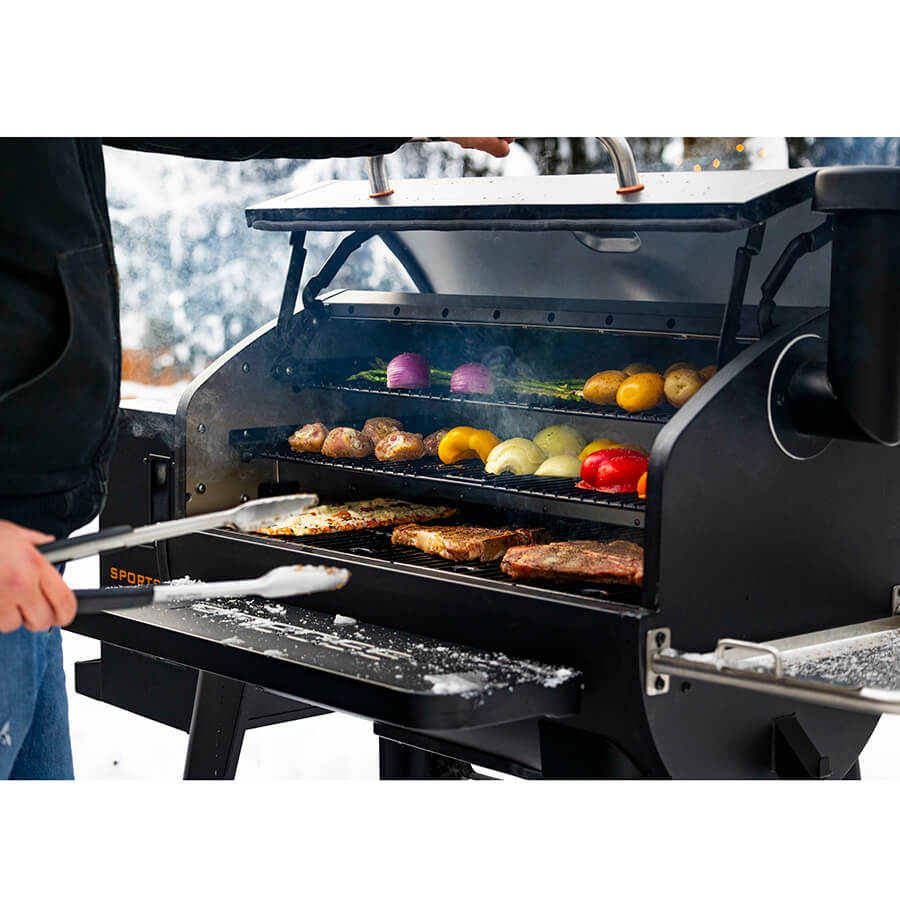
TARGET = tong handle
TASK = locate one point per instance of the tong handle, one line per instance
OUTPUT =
(97, 600)
(57, 551)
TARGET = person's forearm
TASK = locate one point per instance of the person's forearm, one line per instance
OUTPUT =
(235, 149)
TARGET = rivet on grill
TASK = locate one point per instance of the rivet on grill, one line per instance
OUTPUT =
(201, 488)
(245, 368)
(288, 370)
(187, 498)
(660, 639)
(660, 683)
(244, 498)
(201, 428)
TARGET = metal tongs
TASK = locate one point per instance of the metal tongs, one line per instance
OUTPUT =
(248, 516)
(285, 581)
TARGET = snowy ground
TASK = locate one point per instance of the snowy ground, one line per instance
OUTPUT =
(110, 743)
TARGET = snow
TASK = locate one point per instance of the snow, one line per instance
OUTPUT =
(457, 682)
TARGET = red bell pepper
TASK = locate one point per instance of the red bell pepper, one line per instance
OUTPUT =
(613, 471)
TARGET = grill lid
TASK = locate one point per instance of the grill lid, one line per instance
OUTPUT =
(693, 201)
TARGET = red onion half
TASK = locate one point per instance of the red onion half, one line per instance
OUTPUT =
(408, 370)
(472, 378)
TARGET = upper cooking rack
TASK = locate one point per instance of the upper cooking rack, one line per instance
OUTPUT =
(529, 402)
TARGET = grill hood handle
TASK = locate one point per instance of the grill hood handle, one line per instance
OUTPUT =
(619, 149)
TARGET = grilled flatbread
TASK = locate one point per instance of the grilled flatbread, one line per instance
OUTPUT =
(356, 515)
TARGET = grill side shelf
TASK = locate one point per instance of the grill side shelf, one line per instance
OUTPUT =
(465, 480)
(853, 668)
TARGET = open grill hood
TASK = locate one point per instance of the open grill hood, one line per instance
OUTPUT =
(687, 227)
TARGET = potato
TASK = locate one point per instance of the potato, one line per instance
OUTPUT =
(640, 392)
(636, 368)
(681, 385)
(601, 388)
(679, 365)
(708, 371)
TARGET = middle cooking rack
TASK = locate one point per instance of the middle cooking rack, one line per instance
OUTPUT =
(465, 480)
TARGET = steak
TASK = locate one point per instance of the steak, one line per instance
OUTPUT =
(465, 542)
(616, 562)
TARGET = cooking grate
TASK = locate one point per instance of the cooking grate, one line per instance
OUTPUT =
(271, 443)
(376, 543)
(530, 402)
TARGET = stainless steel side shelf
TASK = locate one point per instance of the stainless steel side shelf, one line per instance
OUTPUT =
(856, 667)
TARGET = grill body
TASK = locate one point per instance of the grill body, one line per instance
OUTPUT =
(741, 539)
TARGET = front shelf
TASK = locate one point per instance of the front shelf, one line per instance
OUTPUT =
(466, 481)
(529, 402)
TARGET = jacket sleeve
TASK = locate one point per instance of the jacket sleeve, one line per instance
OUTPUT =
(261, 148)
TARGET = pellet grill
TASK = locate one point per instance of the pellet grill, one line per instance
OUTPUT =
(764, 641)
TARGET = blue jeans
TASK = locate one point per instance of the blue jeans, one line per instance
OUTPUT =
(34, 711)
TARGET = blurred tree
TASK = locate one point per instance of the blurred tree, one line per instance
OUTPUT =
(843, 151)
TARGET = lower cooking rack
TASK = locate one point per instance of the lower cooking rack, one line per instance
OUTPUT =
(465, 480)
(375, 544)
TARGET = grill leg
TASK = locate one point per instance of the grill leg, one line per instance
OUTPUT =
(399, 761)
(217, 728)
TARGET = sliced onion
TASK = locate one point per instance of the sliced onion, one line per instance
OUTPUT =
(408, 370)
(472, 378)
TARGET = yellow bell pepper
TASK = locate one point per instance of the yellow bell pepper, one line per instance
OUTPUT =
(594, 446)
(464, 442)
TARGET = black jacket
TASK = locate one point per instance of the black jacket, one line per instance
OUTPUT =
(60, 358)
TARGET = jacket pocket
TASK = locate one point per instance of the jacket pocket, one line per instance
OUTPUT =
(53, 425)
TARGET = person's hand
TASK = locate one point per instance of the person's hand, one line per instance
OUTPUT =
(32, 592)
(498, 147)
